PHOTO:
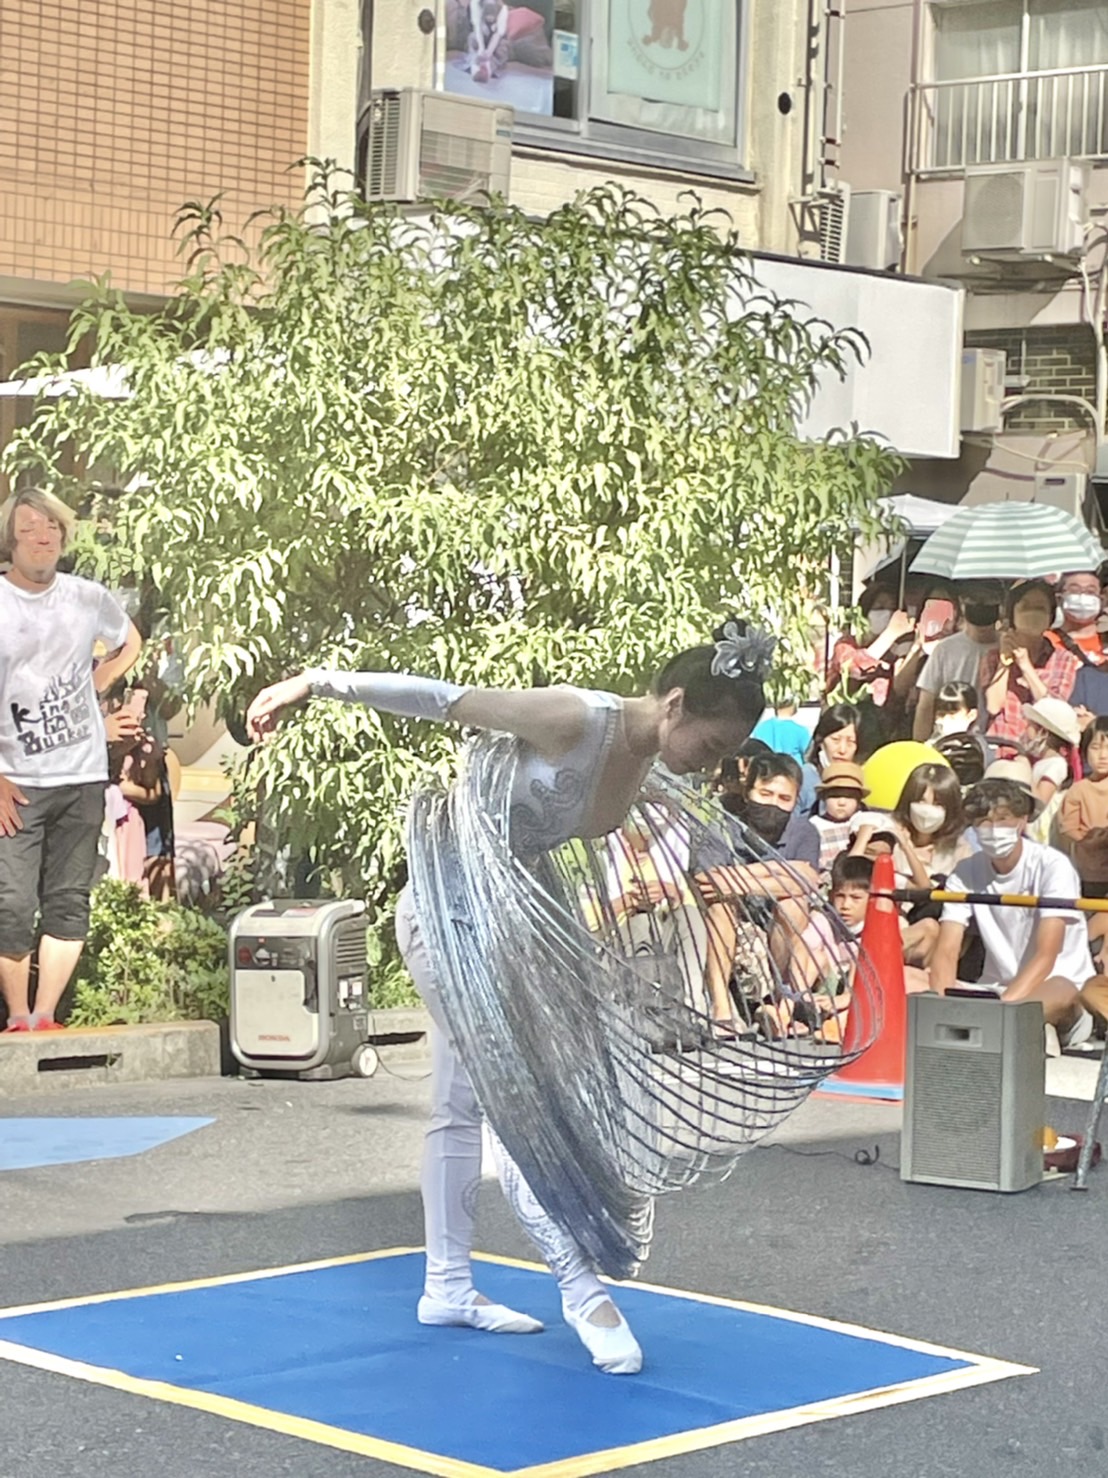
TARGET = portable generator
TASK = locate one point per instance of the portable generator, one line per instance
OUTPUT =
(298, 989)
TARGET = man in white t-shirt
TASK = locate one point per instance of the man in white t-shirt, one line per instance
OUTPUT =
(957, 658)
(1031, 954)
(53, 751)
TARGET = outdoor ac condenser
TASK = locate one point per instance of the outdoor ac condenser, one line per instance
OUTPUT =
(982, 395)
(974, 1093)
(427, 145)
(873, 233)
(833, 222)
(1035, 210)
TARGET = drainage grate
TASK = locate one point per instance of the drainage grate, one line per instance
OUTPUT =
(78, 1064)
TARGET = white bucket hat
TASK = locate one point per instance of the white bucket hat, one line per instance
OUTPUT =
(1056, 716)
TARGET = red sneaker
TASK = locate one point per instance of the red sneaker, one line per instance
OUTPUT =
(18, 1024)
(45, 1024)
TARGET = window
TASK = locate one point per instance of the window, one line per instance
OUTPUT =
(650, 79)
(1034, 75)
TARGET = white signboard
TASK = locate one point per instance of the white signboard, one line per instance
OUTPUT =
(907, 389)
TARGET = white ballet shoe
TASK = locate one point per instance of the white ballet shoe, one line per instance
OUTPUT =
(492, 1318)
(614, 1349)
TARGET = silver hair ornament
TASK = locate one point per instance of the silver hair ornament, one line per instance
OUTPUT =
(743, 656)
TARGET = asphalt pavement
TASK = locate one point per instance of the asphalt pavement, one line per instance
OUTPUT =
(292, 1172)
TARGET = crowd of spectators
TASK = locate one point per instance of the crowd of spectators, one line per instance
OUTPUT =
(1008, 690)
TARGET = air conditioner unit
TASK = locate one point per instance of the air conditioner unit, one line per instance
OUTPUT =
(873, 234)
(427, 145)
(1066, 490)
(974, 1093)
(1024, 210)
(832, 216)
(983, 372)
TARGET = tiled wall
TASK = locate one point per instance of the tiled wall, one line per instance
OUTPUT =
(1058, 359)
(114, 112)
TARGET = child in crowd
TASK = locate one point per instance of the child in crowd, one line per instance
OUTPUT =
(835, 738)
(841, 791)
(822, 964)
(956, 711)
(851, 878)
(1050, 741)
(782, 732)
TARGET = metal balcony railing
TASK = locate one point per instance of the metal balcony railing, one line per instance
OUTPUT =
(1009, 118)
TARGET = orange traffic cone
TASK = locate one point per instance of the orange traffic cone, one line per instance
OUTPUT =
(882, 1011)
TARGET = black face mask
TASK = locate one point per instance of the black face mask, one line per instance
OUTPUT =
(768, 821)
(982, 615)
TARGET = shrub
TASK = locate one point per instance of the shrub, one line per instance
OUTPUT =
(148, 962)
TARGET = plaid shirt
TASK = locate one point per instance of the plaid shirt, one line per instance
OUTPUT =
(1058, 673)
(834, 837)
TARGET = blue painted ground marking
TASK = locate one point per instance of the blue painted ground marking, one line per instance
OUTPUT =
(25, 1143)
(334, 1353)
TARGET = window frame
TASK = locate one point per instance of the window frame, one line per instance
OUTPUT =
(592, 138)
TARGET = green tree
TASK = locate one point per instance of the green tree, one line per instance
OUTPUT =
(480, 446)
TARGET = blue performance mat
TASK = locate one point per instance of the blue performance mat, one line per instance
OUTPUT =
(332, 1352)
(25, 1143)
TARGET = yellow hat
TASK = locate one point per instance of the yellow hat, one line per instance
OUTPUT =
(888, 768)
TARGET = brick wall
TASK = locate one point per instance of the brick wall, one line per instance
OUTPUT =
(114, 112)
(1059, 359)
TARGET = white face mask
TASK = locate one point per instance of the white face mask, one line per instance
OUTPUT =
(926, 818)
(878, 620)
(1081, 607)
(999, 842)
(952, 723)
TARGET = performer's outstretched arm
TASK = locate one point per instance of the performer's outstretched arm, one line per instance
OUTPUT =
(552, 719)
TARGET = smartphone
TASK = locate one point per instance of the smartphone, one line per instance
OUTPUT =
(936, 619)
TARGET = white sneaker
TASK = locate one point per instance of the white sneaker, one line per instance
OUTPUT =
(614, 1349)
(493, 1318)
(1079, 1032)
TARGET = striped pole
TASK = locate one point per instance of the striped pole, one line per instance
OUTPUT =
(996, 900)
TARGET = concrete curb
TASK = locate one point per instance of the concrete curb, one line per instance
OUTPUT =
(82, 1057)
(401, 1034)
(34, 1062)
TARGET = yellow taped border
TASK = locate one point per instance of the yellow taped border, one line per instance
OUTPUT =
(980, 1371)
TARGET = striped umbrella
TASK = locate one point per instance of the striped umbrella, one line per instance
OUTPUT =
(1009, 541)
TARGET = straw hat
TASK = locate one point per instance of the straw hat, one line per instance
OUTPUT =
(842, 775)
(1019, 772)
(1056, 716)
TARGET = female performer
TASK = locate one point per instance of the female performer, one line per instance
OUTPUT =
(574, 770)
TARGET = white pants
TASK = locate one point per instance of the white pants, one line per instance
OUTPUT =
(451, 1174)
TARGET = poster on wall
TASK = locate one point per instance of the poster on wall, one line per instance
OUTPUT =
(666, 51)
(505, 51)
(669, 66)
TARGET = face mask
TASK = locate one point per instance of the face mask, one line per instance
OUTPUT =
(1081, 607)
(982, 615)
(878, 620)
(952, 723)
(926, 818)
(768, 821)
(999, 841)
